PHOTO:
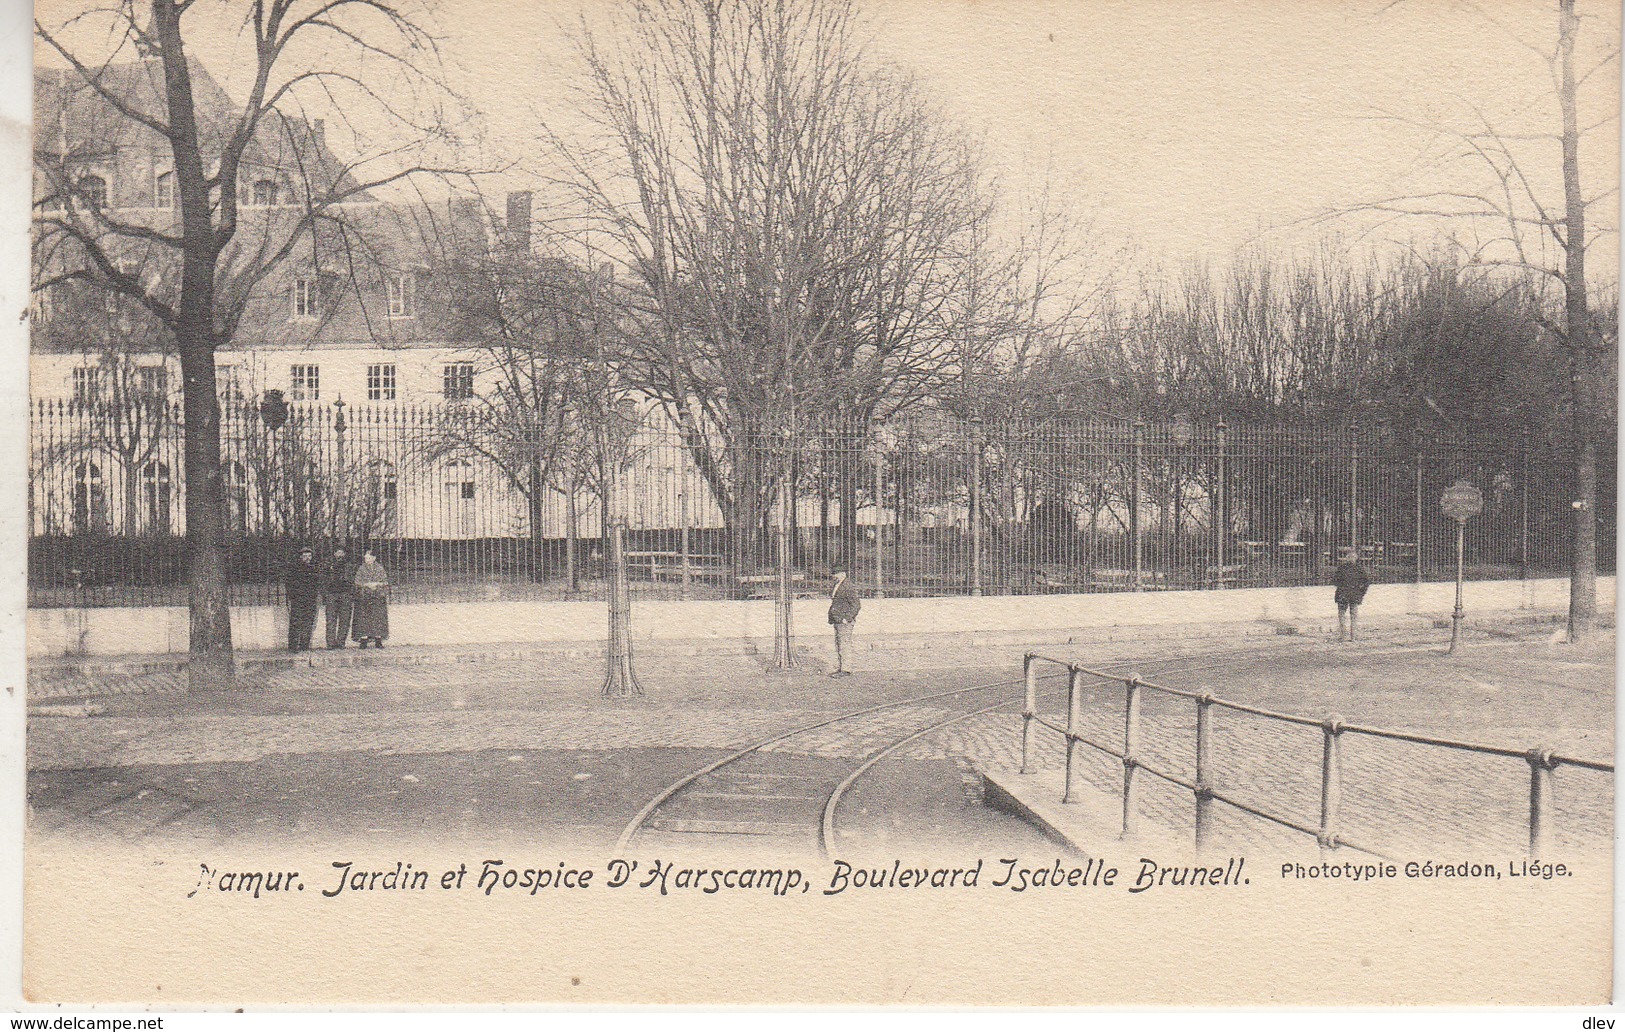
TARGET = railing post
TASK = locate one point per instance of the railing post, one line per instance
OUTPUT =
(1029, 666)
(1331, 781)
(1074, 717)
(1131, 745)
(1204, 771)
(1541, 770)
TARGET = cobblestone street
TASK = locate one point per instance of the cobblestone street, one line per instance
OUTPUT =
(506, 748)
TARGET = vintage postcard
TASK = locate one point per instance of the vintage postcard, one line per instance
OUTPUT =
(820, 502)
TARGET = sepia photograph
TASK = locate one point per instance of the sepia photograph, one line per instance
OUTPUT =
(819, 502)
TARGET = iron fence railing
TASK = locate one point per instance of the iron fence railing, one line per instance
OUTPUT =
(461, 502)
(1207, 786)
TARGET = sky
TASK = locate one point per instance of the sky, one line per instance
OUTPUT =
(1184, 130)
(1188, 129)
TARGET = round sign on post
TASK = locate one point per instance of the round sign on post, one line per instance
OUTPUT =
(1461, 500)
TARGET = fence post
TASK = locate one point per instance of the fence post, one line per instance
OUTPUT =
(1204, 770)
(1523, 508)
(1131, 745)
(682, 506)
(1541, 771)
(1331, 781)
(1221, 518)
(1136, 462)
(1418, 534)
(880, 526)
(976, 505)
(1029, 669)
(1074, 717)
(1354, 490)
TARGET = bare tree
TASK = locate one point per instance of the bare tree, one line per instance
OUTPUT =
(132, 69)
(1513, 222)
(789, 217)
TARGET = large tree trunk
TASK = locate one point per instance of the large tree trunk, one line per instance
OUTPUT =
(1585, 366)
(210, 664)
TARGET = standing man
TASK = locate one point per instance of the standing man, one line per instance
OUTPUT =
(338, 595)
(843, 614)
(1351, 582)
(302, 583)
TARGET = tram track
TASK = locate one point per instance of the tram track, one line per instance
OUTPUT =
(765, 792)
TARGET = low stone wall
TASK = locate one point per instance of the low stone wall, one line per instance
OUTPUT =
(156, 630)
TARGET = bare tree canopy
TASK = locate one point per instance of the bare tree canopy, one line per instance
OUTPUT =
(238, 184)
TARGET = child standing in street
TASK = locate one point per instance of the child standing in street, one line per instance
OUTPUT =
(1351, 582)
(843, 614)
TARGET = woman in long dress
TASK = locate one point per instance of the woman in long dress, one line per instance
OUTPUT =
(371, 620)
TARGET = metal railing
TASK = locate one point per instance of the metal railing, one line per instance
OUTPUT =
(1204, 788)
(463, 502)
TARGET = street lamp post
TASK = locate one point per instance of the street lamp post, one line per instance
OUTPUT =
(1461, 501)
(341, 510)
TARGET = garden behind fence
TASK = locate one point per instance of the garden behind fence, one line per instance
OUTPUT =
(460, 505)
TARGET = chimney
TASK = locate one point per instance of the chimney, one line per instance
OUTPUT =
(519, 222)
(318, 129)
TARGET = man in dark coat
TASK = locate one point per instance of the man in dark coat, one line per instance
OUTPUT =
(1351, 582)
(843, 615)
(338, 596)
(302, 583)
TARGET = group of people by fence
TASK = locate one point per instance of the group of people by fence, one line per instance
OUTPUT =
(353, 596)
(355, 599)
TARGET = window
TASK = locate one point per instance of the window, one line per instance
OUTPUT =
(402, 296)
(86, 384)
(457, 490)
(306, 382)
(228, 383)
(155, 485)
(89, 498)
(265, 193)
(381, 382)
(163, 190)
(92, 192)
(152, 384)
(459, 381)
(237, 496)
(304, 298)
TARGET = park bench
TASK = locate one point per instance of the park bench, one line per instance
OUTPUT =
(766, 585)
(665, 566)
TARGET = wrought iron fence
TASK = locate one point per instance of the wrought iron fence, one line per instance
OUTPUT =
(462, 504)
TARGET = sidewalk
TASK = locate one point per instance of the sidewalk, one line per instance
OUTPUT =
(54, 679)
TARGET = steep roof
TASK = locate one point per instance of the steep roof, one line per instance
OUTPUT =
(72, 117)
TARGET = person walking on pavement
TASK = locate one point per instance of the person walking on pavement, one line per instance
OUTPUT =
(1351, 582)
(843, 614)
(301, 583)
(371, 620)
(338, 596)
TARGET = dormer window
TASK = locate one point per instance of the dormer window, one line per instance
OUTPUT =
(91, 191)
(402, 296)
(305, 304)
(163, 190)
(265, 193)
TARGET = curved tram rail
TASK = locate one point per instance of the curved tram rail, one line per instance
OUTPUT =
(707, 802)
